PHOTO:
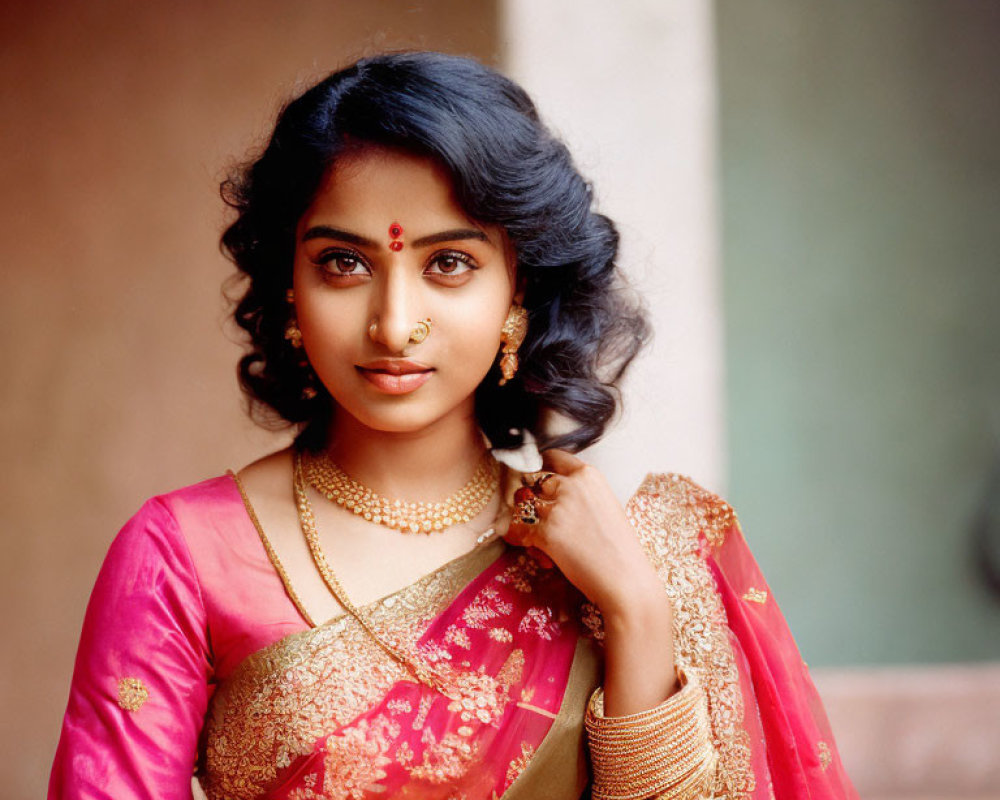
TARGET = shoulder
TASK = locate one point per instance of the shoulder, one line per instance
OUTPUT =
(168, 526)
(669, 507)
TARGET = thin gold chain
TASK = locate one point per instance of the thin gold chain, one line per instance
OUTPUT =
(271, 554)
(308, 521)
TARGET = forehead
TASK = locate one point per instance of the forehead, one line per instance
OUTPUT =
(378, 185)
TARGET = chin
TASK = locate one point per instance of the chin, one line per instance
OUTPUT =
(398, 420)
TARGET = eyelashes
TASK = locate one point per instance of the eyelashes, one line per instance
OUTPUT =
(332, 260)
(455, 259)
(444, 265)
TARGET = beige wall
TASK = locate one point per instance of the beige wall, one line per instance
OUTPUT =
(118, 121)
(641, 125)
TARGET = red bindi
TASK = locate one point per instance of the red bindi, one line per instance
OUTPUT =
(395, 231)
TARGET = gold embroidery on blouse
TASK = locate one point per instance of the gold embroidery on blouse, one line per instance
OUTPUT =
(824, 755)
(669, 512)
(278, 702)
(132, 694)
(753, 595)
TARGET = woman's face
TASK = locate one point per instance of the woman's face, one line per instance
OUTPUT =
(383, 246)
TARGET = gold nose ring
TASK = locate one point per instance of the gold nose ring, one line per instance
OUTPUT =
(421, 331)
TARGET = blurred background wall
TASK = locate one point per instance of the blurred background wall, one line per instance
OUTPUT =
(861, 249)
(835, 372)
(119, 120)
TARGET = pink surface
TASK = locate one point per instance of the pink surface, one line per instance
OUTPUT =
(796, 755)
(165, 610)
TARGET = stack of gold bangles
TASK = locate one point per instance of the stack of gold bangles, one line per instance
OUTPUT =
(665, 752)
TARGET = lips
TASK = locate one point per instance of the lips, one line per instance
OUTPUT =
(395, 376)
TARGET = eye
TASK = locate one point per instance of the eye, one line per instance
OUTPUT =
(342, 263)
(451, 263)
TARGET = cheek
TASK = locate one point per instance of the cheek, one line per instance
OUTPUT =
(328, 332)
(474, 338)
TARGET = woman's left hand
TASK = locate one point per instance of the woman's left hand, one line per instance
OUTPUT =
(584, 531)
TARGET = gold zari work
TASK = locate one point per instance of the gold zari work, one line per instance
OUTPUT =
(753, 595)
(132, 694)
(824, 755)
(279, 702)
(670, 513)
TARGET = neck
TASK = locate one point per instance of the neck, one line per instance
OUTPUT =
(429, 464)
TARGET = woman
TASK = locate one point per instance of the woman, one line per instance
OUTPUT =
(384, 609)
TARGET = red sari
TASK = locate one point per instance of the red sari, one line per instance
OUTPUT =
(194, 659)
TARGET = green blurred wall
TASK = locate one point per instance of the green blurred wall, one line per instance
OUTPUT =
(860, 192)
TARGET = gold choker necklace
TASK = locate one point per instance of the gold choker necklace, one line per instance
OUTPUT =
(463, 506)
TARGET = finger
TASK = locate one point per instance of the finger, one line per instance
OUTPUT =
(543, 508)
(548, 487)
(562, 461)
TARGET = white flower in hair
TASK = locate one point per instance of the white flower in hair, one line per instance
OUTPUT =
(524, 458)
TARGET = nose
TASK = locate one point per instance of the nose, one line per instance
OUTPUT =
(394, 310)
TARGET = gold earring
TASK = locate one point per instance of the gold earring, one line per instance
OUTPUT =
(421, 331)
(512, 334)
(293, 334)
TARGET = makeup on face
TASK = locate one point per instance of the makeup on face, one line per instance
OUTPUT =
(384, 246)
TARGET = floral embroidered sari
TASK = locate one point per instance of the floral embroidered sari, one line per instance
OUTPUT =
(194, 659)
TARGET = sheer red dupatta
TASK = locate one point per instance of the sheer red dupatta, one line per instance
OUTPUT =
(769, 725)
(802, 759)
(504, 648)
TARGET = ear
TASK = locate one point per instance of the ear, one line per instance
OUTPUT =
(519, 288)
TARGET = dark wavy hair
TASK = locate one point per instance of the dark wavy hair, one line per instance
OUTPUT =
(507, 170)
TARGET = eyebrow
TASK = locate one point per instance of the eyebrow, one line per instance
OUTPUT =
(454, 235)
(326, 232)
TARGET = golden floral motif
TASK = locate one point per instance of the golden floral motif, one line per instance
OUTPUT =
(425, 708)
(355, 761)
(477, 696)
(517, 765)
(132, 694)
(753, 595)
(593, 622)
(458, 637)
(501, 635)
(404, 753)
(485, 606)
(399, 705)
(824, 754)
(676, 519)
(538, 620)
(519, 573)
(513, 668)
(445, 760)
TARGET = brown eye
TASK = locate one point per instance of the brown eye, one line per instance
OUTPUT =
(342, 264)
(451, 264)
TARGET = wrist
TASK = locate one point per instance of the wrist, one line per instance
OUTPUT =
(639, 603)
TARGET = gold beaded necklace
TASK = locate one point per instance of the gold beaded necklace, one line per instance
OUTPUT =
(336, 485)
(423, 673)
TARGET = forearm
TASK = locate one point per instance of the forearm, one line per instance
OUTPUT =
(638, 651)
